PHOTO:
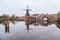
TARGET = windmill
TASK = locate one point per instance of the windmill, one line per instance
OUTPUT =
(27, 11)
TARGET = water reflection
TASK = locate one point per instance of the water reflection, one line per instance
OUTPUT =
(58, 25)
(35, 23)
(40, 30)
(6, 24)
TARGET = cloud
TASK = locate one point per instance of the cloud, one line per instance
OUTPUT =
(37, 6)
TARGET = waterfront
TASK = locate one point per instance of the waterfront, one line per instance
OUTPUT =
(19, 31)
(29, 19)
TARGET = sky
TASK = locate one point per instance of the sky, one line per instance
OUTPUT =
(37, 6)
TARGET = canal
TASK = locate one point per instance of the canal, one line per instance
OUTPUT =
(18, 31)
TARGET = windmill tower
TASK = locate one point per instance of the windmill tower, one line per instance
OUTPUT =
(27, 11)
(26, 17)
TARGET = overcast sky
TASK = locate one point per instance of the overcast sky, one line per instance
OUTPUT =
(38, 6)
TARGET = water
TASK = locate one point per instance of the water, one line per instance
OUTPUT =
(19, 31)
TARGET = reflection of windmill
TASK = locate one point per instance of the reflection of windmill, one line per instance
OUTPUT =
(27, 27)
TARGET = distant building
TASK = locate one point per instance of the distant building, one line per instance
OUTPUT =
(58, 15)
(1, 16)
(53, 16)
(36, 16)
(22, 18)
(45, 17)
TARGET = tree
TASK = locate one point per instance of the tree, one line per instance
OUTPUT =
(13, 16)
(5, 15)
